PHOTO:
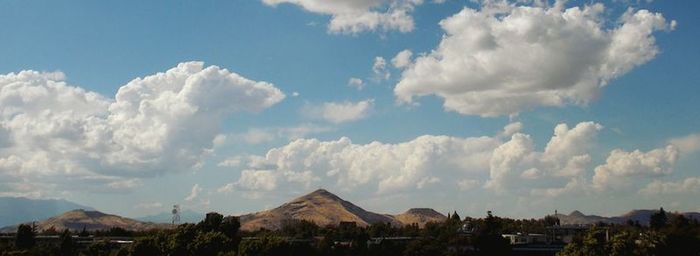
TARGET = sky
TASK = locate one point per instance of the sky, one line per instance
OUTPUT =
(518, 107)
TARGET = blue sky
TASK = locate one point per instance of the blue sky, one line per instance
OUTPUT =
(631, 112)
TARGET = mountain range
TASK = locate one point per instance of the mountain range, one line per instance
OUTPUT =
(15, 210)
(641, 216)
(321, 207)
(324, 208)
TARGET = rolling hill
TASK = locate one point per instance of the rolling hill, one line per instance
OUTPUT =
(14, 210)
(91, 220)
(325, 208)
(420, 216)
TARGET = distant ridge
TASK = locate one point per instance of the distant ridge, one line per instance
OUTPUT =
(15, 210)
(76, 220)
(641, 216)
(420, 216)
(325, 208)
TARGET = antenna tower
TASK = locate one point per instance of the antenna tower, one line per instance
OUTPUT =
(176, 214)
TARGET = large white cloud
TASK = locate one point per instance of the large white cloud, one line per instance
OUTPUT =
(566, 155)
(622, 166)
(501, 61)
(160, 123)
(507, 161)
(354, 16)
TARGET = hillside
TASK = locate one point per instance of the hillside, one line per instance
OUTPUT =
(14, 210)
(420, 216)
(90, 220)
(325, 208)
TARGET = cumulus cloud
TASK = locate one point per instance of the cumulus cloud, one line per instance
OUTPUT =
(566, 155)
(688, 185)
(497, 162)
(507, 58)
(253, 183)
(339, 112)
(387, 167)
(166, 122)
(356, 83)
(402, 59)
(621, 166)
(353, 16)
(194, 193)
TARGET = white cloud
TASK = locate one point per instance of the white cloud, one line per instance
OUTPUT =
(379, 69)
(354, 16)
(688, 144)
(194, 193)
(356, 83)
(566, 155)
(507, 58)
(503, 164)
(511, 129)
(340, 112)
(621, 166)
(385, 167)
(402, 59)
(252, 180)
(657, 187)
(166, 122)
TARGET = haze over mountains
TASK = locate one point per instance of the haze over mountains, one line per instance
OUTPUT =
(15, 210)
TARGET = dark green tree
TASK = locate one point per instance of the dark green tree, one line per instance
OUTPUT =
(658, 220)
(455, 217)
(488, 239)
(211, 222)
(146, 246)
(25, 238)
(210, 243)
(67, 246)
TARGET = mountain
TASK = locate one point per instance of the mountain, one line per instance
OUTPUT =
(577, 217)
(186, 216)
(90, 220)
(324, 208)
(641, 216)
(14, 210)
(419, 216)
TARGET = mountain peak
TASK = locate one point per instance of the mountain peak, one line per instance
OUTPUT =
(576, 213)
(320, 206)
